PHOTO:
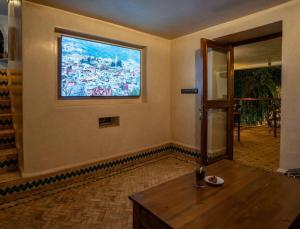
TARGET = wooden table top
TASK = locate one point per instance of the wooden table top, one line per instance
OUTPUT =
(249, 198)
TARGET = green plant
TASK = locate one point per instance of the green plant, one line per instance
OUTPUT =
(257, 83)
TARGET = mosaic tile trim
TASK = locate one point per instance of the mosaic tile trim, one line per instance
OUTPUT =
(6, 122)
(4, 93)
(7, 140)
(184, 150)
(3, 73)
(65, 186)
(8, 162)
(4, 106)
(3, 82)
(101, 166)
(34, 184)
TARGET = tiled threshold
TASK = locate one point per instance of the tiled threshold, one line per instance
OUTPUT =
(26, 189)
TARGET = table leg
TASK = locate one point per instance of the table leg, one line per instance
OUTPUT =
(136, 216)
(275, 124)
(239, 127)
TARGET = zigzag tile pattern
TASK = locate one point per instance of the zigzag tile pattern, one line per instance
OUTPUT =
(30, 185)
(3, 83)
(8, 163)
(185, 151)
(35, 184)
(102, 203)
(7, 140)
(5, 107)
(6, 123)
(4, 94)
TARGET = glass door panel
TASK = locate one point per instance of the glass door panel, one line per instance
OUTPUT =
(216, 133)
(217, 74)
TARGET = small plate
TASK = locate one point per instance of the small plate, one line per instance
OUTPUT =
(219, 182)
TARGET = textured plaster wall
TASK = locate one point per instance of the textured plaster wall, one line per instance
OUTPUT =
(186, 72)
(60, 134)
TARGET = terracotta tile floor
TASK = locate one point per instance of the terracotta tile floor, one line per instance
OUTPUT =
(102, 203)
(258, 148)
(9, 176)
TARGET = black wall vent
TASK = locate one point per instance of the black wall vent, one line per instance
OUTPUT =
(109, 121)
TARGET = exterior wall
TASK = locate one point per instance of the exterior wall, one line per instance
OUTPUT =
(61, 134)
(186, 72)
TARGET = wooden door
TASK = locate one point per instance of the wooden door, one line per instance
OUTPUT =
(217, 101)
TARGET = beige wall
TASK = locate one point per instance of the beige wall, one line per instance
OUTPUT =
(185, 72)
(58, 134)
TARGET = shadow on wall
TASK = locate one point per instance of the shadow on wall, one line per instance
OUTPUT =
(198, 77)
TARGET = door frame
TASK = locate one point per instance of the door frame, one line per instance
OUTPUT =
(244, 41)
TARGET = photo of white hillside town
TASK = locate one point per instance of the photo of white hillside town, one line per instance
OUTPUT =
(90, 68)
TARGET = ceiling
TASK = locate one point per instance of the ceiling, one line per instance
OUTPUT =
(165, 18)
(246, 36)
(258, 54)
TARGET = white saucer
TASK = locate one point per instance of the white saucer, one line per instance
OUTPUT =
(220, 181)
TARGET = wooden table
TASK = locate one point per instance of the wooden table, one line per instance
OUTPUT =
(250, 198)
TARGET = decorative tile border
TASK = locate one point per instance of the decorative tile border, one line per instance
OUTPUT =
(6, 122)
(27, 184)
(9, 139)
(4, 107)
(83, 181)
(3, 73)
(6, 163)
(4, 93)
(185, 150)
(35, 183)
(3, 82)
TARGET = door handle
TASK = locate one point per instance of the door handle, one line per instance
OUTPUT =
(202, 113)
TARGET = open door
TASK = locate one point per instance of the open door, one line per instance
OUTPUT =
(217, 101)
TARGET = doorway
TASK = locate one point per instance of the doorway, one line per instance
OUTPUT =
(251, 131)
(257, 87)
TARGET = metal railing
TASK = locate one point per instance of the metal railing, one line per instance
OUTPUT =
(257, 111)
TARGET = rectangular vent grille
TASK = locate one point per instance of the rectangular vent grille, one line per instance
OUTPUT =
(109, 121)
